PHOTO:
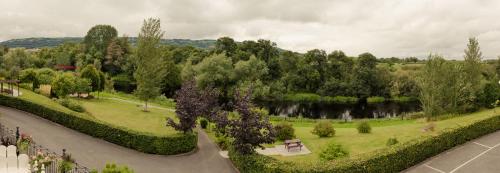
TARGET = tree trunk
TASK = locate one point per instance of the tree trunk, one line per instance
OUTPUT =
(146, 106)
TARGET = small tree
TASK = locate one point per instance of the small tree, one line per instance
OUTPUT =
(82, 85)
(92, 74)
(192, 103)
(30, 75)
(250, 129)
(63, 85)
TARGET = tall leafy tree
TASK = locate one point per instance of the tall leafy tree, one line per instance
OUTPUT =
(149, 72)
(99, 37)
(472, 68)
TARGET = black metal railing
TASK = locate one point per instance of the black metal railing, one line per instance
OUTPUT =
(9, 137)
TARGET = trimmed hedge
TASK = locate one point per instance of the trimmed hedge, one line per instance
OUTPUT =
(392, 159)
(144, 142)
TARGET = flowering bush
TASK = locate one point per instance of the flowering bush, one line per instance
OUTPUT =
(41, 159)
(23, 143)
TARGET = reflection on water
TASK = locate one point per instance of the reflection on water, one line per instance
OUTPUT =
(341, 111)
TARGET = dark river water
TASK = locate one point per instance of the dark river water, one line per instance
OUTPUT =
(341, 111)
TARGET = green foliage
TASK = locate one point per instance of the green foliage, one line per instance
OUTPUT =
(64, 84)
(45, 75)
(323, 129)
(113, 168)
(333, 151)
(143, 142)
(30, 76)
(75, 106)
(123, 82)
(284, 131)
(403, 99)
(393, 159)
(203, 123)
(150, 72)
(302, 98)
(223, 142)
(392, 141)
(99, 37)
(375, 99)
(364, 127)
(215, 71)
(92, 74)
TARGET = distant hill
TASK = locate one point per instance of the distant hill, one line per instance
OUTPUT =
(39, 42)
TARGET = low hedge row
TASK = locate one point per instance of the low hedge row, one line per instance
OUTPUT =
(144, 142)
(392, 159)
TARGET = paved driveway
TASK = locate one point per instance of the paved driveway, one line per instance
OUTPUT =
(481, 155)
(94, 153)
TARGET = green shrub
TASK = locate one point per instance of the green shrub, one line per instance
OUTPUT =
(323, 129)
(203, 123)
(340, 100)
(364, 127)
(223, 142)
(333, 151)
(392, 141)
(392, 159)
(71, 105)
(113, 168)
(401, 99)
(284, 131)
(375, 99)
(144, 142)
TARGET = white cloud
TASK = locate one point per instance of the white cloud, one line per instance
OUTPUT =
(383, 27)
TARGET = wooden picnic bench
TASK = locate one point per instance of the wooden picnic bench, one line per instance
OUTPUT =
(294, 143)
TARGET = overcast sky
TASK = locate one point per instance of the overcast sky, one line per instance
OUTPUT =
(383, 27)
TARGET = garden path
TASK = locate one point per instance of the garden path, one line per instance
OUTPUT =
(94, 153)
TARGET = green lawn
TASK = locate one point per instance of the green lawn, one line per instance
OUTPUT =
(124, 114)
(129, 115)
(347, 135)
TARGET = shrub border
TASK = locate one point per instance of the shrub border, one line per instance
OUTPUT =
(393, 159)
(140, 141)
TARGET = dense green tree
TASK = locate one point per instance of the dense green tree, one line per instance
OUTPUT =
(99, 37)
(149, 72)
(215, 71)
(92, 74)
(226, 45)
(82, 85)
(30, 76)
(63, 84)
(251, 70)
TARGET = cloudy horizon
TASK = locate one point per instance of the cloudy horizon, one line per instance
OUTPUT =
(385, 28)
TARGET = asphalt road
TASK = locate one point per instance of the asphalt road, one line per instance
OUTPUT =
(481, 155)
(95, 153)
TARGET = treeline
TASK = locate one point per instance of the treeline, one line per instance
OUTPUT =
(31, 43)
(273, 73)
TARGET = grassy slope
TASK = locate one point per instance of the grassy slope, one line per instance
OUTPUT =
(129, 115)
(115, 112)
(357, 143)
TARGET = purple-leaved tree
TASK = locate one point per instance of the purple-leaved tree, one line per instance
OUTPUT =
(192, 103)
(249, 128)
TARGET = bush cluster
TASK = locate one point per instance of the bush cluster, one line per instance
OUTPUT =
(144, 142)
(364, 127)
(333, 151)
(284, 131)
(393, 159)
(323, 129)
(392, 141)
(71, 105)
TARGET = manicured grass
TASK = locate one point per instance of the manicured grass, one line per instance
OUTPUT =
(347, 135)
(160, 102)
(129, 115)
(119, 113)
(45, 101)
